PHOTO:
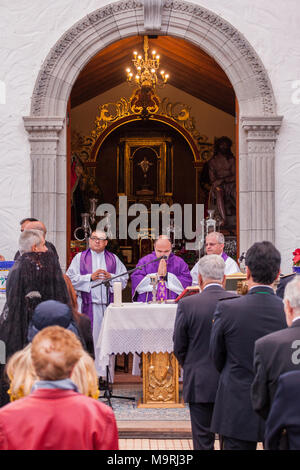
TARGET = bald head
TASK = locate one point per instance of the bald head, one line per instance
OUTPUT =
(162, 246)
(25, 221)
(37, 225)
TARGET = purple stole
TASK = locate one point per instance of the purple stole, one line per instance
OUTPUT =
(224, 256)
(86, 268)
(162, 291)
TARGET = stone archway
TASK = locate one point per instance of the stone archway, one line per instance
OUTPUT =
(258, 124)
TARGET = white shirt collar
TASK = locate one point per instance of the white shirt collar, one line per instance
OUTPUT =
(261, 285)
(212, 284)
(296, 318)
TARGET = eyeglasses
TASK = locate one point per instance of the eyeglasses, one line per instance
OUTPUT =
(96, 239)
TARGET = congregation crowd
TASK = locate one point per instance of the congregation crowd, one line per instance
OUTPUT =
(240, 354)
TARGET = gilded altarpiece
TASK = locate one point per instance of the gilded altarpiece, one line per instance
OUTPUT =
(112, 116)
(160, 381)
(145, 169)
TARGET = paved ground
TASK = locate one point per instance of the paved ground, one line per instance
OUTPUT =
(162, 444)
(155, 444)
(152, 434)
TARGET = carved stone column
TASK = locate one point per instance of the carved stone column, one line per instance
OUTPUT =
(48, 194)
(256, 180)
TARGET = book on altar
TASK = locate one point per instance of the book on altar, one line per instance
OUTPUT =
(190, 290)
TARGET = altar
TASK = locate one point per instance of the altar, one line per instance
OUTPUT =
(148, 330)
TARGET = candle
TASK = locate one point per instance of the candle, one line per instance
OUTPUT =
(117, 288)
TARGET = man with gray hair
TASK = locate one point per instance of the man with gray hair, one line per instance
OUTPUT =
(214, 245)
(277, 352)
(32, 241)
(34, 224)
(191, 338)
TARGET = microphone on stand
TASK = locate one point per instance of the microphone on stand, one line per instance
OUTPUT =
(107, 281)
(157, 259)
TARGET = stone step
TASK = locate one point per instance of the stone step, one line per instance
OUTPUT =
(155, 429)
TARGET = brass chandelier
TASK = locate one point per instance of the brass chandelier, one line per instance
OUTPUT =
(146, 68)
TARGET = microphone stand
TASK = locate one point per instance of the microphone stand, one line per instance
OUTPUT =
(108, 392)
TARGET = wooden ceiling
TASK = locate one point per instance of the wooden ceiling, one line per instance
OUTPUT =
(190, 70)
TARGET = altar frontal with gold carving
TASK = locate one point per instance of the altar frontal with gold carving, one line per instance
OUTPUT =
(146, 329)
(160, 381)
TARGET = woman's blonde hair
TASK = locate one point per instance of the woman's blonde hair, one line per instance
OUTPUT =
(85, 377)
(21, 374)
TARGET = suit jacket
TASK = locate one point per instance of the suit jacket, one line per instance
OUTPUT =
(285, 413)
(191, 344)
(238, 323)
(57, 420)
(282, 284)
(273, 355)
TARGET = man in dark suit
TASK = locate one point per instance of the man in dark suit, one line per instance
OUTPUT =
(276, 353)
(191, 347)
(284, 280)
(238, 323)
(283, 423)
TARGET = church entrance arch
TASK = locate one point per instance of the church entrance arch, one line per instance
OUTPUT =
(258, 121)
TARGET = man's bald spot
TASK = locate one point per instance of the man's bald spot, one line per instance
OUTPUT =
(36, 226)
(162, 246)
(163, 243)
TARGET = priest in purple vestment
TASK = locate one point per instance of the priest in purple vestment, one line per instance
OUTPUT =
(88, 268)
(173, 272)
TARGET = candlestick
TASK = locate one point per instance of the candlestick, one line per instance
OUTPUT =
(117, 289)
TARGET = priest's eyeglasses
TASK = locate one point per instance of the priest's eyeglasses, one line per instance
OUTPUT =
(96, 239)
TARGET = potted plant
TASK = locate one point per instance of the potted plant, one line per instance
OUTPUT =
(296, 261)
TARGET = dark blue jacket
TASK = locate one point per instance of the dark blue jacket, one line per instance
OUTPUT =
(273, 356)
(238, 323)
(285, 414)
(191, 337)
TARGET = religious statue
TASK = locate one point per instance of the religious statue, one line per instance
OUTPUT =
(222, 177)
(83, 188)
(78, 187)
(145, 165)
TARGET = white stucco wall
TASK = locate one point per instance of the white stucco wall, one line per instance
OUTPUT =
(30, 28)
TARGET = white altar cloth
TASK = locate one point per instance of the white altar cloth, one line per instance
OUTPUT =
(135, 327)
